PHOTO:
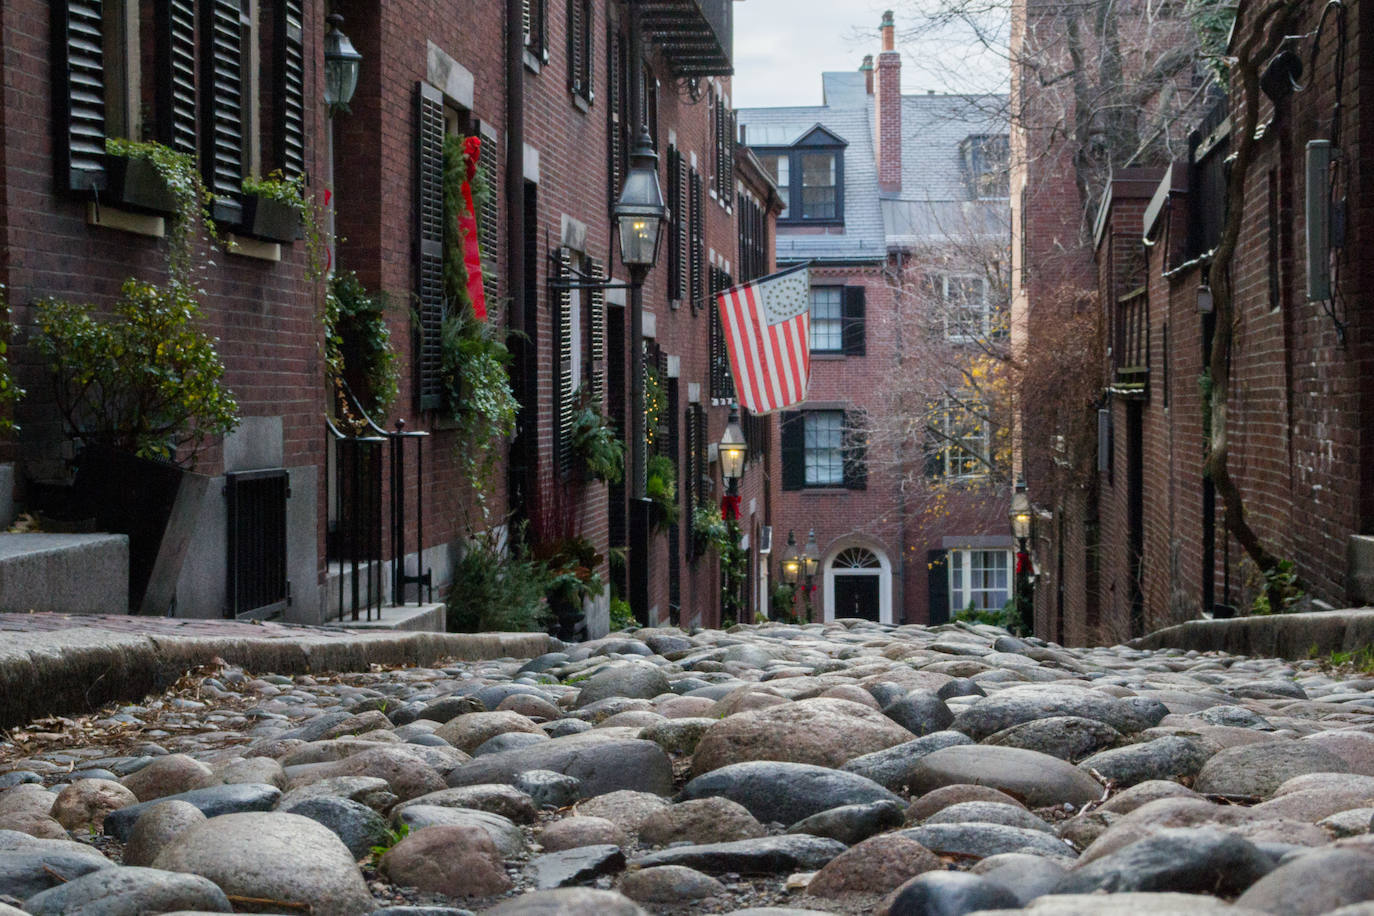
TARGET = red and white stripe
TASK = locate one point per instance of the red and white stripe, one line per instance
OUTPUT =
(771, 363)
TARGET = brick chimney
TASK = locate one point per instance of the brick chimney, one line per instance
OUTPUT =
(866, 68)
(888, 107)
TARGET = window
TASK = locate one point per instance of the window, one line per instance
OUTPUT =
(119, 25)
(677, 227)
(723, 131)
(580, 49)
(837, 320)
(980, 579)
(533, 13)
(722, 382)
(823, 448)
(778, 166)
(753, 238)
(966, 311)
(827, 319)
(820, 187)
(957, 440)
(810, 177)
(986, 166)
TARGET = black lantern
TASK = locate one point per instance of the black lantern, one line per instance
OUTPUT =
(1020, 515)
(640, 210)
(811, 557)
(733, 449)
(341, 65)
(791, 560)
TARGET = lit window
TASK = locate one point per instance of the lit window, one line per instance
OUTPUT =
(959, 439)
(979, 579)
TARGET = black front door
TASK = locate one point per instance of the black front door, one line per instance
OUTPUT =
(856, 596)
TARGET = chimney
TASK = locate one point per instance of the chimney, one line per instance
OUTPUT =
(888, 107)
(866, 68)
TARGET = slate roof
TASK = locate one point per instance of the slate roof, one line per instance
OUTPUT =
(934, 200)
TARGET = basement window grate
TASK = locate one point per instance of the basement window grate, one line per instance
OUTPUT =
(257, 583)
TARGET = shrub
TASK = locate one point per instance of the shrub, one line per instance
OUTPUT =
(497, 588)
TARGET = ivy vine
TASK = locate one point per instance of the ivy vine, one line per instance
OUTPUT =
(10, 392)
(178, 171)
(358, 342)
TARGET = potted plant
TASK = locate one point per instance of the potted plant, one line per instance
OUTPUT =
(140, 391)
(595, 443)
(571, 562)
(274, 207)
(148, 177)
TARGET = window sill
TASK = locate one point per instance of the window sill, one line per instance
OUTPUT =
(829, 355)
(581, 103)
(824, 490)
(532, 63)
(108, 217)
(252, 248)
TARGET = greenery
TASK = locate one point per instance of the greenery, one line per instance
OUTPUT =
(497, 588)
(782, 603)
(1361, 659)
(622, 618)
(473, 353)
(356, 329)
(144, 380)
(709, 528)
(570, 565)
(1281, 581)
(10, 392)
(660, 485)
(595, 442)
(655, 406)
(715, 533)
(1004, 617)
(178, 171)
(292, 192)
(392, 838)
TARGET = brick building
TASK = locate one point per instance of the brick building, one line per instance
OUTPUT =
(1146, 543)
(899, 205)
(557, 107)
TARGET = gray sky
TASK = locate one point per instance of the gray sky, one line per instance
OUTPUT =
(783, 46)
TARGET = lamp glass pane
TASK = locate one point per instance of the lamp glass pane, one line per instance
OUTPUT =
(638, 239)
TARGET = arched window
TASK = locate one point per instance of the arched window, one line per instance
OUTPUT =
(857, 558)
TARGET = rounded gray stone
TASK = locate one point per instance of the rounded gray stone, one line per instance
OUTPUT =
(1066, 737)
(1314, 882)
(569, 901)
(786, 792)
(157, 827)
(356, 824)
(1170, 757)
(1183, 860)
(1257, 770)
(631, 680)
(129, 891)
(669, 884)
(1034, 778)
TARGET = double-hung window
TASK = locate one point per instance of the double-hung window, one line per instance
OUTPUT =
(966, 310)
(827, 319)
(823, 452)
(980, 579)
(957, 439)
(810, 177)
(823, 449)
(779, 168)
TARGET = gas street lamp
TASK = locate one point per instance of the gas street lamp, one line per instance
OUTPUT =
(341, 65)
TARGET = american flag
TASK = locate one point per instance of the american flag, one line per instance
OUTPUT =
(767, 326)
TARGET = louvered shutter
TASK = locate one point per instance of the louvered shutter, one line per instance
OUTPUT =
(731, 132)
(615, 114)
(532, 13)
(700, 455)
(696, 246)
(222, 105)
(79, 90)
(852, 324)
(793, 450)
(855, 452)
(576, 42)
(718, 122)
(596, 326)
(674, 224)
(288, 90)
(489, 227)
(937, 566)
(430, 234)
(174, 29)
(564, 381)
(588, 51)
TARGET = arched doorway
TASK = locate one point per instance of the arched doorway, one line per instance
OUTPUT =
(858, 583)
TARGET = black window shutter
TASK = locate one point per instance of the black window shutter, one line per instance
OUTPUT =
(596, 328)
(430, 214)
(852, 327)
(288, 89)
(489, 224)
(222, 105)
(934, 449)
(697, 244)
(855, 452)
(793, 425)
(731, 132)
(674, 224)
(564, 381)
(937, 566)
(175, 61)
(615, 114)
(576, 40)
(78, 55)
(702, 464)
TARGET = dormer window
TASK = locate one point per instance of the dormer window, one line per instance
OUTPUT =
(810, 177)
(985, 160)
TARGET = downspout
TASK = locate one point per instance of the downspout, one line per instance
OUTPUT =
(520, 486)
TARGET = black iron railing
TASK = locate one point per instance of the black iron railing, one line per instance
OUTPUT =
(696, 36)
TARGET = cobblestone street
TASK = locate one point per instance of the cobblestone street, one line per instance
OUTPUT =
(833, 769)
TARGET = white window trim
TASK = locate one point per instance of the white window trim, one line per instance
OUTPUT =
(952, 331)
(964, 556)
(948, 443)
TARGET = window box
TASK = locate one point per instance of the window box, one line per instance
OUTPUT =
(135, 184)
(270, 219)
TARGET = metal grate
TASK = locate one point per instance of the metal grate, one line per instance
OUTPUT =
(257, 584)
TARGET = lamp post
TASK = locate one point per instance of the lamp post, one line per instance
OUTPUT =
(811, 563)
(639, 217)
(734, 450)
(1021, 530)
(791, 564)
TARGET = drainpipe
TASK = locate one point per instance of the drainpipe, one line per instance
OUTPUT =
(521, 454)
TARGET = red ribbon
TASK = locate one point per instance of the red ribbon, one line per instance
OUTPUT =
(467, 228)
(729, 508)
(1023, 563)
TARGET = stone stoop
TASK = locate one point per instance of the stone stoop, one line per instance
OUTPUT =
(422, 618)
(64, 573)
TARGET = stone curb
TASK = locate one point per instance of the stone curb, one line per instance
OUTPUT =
(76, 670)
(1291, 636)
